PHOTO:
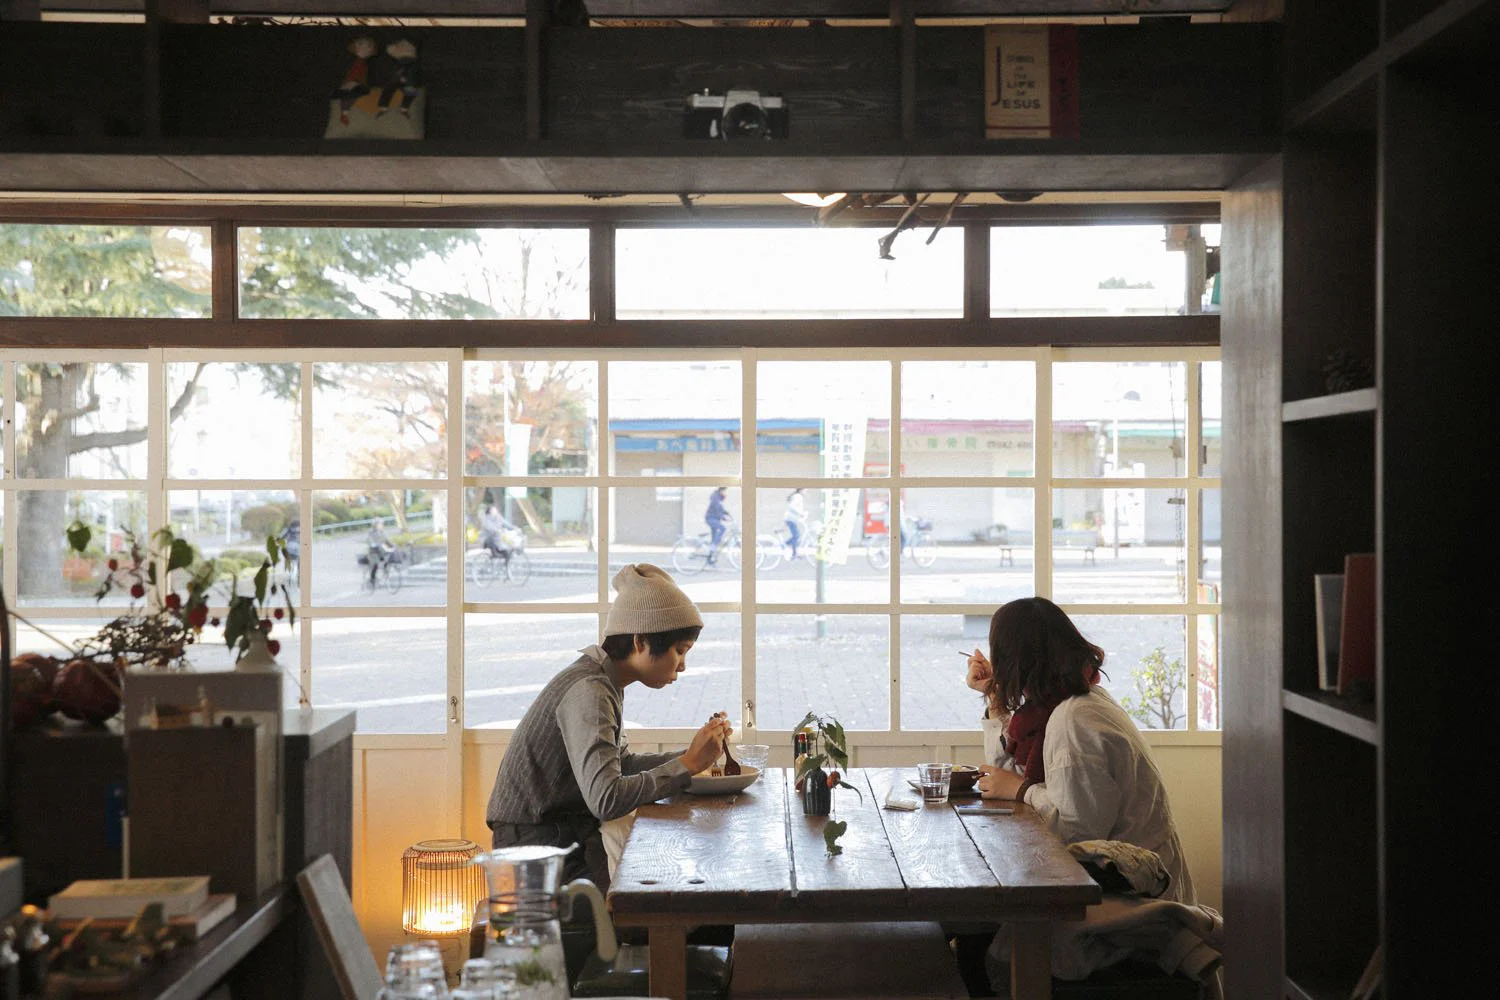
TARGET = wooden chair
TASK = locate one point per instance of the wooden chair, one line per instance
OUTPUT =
(874, 961)
(332, 913)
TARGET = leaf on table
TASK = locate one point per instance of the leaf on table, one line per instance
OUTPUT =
(832, 831)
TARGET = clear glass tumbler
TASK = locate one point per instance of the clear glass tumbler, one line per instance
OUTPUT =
(934, 778)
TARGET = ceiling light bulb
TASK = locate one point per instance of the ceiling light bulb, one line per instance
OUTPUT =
(814, 200)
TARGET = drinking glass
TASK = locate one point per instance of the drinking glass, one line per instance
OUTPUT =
(414, 971)
(934, 778)
(753, 755)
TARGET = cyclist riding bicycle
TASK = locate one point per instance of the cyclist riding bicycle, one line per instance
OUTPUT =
(497, 534)
(718, 518)
(378, 547)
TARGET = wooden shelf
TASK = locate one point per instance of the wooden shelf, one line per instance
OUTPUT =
(1345, 715)
(1340, 404)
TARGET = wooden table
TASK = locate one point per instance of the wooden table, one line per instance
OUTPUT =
(753, 857)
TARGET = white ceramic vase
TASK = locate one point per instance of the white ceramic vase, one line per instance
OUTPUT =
(256, 656)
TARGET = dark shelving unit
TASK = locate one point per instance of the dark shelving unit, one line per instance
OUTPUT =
(1372, 235)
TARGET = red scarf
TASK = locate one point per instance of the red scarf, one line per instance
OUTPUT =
(1023, 736)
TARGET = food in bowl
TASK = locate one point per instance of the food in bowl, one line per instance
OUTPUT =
(963, 779)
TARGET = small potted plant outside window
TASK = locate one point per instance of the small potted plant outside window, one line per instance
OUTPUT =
(826, 746)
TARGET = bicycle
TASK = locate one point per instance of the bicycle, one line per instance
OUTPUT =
(485, 566)
(919, 545)
(388, 576)
(693, 553)
(771, 549)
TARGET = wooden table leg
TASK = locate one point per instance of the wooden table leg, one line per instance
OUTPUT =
(1031, 960)
(669, 962)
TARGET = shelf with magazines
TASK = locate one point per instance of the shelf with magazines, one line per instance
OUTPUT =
(1357, 378)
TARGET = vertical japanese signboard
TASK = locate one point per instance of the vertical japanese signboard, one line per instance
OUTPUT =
(1031, 82)
(843, 458)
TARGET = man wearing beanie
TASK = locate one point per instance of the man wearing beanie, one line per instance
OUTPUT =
(568, 767)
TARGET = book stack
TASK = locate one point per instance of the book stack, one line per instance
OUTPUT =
(1345, 617)
(186, 903)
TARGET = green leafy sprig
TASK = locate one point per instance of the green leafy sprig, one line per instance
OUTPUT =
(828, 749)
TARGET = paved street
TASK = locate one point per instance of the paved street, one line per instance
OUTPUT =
(392, 670)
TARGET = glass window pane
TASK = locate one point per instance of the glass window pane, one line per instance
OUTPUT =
(530, 418)
(392, 671)
(968, 418)
(1212, 435)
(1093, 270)
(784, 273)
(668, 526)
(671, 418)
(210, 440)
(50, 572)
(413, 273)
(963, 546)
(80, 420)
(1211, 558)
(831, 566)
(836, 665)
(823, 418)
(711, 683)
(933, 693)
(380, 421)
(1210, 646)
(530, 544)
(1145, 567)
(1124, 419)
(508, 659)
(380, 548)
(231, 526)
(155, 272)
(1144, 657)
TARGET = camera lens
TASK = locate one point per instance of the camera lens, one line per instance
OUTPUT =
(745, 121)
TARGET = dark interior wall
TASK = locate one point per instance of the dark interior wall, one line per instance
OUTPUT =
(1139, 83)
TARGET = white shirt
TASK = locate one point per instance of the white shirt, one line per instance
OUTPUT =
(1101, 783)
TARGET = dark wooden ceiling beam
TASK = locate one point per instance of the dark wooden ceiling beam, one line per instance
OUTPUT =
(1024, 331)
(672, 9)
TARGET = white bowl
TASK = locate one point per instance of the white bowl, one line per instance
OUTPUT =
(704, 785)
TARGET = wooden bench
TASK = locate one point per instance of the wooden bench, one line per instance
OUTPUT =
(874, 961)
(1082, 539)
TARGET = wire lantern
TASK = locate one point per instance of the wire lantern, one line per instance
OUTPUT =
(440, 887)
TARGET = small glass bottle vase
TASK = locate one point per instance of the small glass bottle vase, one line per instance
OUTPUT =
(817, 797)
(256, 656)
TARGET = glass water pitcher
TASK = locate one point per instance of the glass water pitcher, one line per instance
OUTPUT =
(527, 898)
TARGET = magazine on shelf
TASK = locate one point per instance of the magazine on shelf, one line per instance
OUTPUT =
(122, 898)
(190, 926)
(1328, 590)
(1357, 628)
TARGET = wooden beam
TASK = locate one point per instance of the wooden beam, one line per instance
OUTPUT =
(538, 20)
(1026, 331)
(682, 9)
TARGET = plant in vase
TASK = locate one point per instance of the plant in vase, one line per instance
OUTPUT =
(825, 745)
(250, 618)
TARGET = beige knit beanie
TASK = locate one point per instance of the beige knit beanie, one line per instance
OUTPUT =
(647, 601)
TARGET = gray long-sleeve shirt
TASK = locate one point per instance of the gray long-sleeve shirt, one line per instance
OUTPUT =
(569, 756)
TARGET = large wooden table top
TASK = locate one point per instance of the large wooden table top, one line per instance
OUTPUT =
(754, 857)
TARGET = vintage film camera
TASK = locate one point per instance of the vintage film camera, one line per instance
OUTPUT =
(735, 114)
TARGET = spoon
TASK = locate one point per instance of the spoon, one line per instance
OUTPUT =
(731, 766)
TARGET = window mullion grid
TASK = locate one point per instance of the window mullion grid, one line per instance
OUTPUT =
(898, 492)
(750, 497)
(308, 531)
(454, 714)
(157, 412)
(604, 480)
(1192, 540)
(1041, 530)
(11, 566)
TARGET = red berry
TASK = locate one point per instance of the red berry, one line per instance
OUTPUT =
(273, 646)
(198, 616)
(214, 622)
(114, 564)
(265, 624)
(278, 614)
(173, 602)
(137, 591)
